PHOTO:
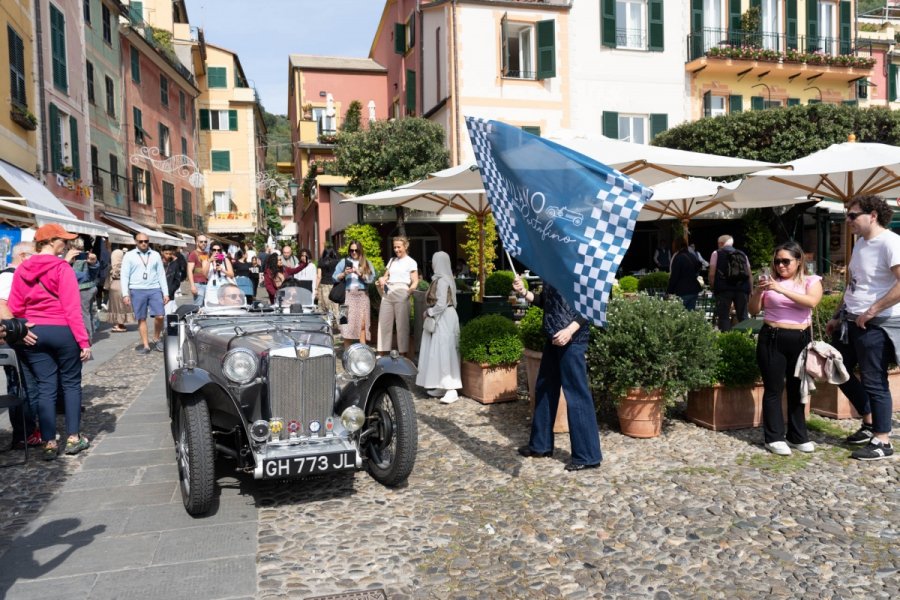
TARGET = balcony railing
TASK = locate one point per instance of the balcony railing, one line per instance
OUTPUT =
(778, 47)
(171, 216)
(635, 39)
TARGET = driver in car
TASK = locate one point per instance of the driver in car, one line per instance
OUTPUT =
(291, 292)
(230, 295)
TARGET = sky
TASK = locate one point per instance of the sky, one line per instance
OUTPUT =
(264, 32)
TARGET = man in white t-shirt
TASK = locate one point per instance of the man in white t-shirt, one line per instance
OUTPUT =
(873, 323)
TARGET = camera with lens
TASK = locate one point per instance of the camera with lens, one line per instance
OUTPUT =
(14, 330)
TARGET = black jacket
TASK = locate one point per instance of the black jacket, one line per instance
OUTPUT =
(683, 278)
(558, 315)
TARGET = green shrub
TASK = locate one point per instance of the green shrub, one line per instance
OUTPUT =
(490, 339)
(499, 283)
(531, 329)
(463, 286)
(737, 359)
(652, 343)
(658, 280)
(423, 285)
(371, 243)
(823, 313)
(628, 284)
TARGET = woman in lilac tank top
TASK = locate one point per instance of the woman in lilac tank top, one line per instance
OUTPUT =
(788, 298)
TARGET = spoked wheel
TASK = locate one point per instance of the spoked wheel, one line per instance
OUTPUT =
(196, 456)
(391, 449)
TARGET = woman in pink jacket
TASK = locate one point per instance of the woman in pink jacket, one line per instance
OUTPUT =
(45, 292)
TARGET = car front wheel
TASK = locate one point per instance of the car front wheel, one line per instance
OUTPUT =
(391, 447)
(196, 455)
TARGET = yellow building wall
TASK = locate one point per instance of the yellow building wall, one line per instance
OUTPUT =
(18, 145)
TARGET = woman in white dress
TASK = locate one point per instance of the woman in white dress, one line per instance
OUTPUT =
(439, 370)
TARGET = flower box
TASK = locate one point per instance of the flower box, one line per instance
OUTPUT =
(23, 118)
(829, 401)
(532, 365)
(720, 408)
(490, 384)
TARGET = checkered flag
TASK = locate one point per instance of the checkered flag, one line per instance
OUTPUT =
(563, 215)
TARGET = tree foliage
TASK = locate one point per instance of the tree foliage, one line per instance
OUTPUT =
(368, 236)
(760, 243)
(390, 153)
(352, 118)
(471, 246)
(278, 139)
(783, 134)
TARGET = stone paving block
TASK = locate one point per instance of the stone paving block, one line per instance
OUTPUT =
(225, 578)
(205, 543)
(135, 458)
(46, 529)
(144, 417)
(111, 444)
(80, 556)
(71, 588)
(123, 497)
(93, 479)
(159, 474)
(166, 517)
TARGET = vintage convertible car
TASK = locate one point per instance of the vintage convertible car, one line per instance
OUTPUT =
(260, 385)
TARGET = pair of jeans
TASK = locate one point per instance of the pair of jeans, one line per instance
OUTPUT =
(565, 367)
(53, 366)
(724, 299)
(872, 351)
(689, 301)
(777, 351)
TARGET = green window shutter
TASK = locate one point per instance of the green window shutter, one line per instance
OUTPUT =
(221, 160)
(232, 120)
(707, 104)
(850, 102)
(610, 124)
(608, 23)
(892, 83)
(58, 48)
(399, 38)
(656, 25)
(184, 148)
(793, 102)
(148, 187)
(217, 77)
(735, 104)
(812, 25)
(73, 141)
(845, 27)
(136, 11)
(757, 103)
(135, 65)
(546, 49)
(791, 23)
(204, 119)
(138, 117)
(55, 140)
(410, 92)
(17, 67)
(658, 124)
(696, 48)
(532, 129)
(504, 45)
(734, 21)
(814, 101)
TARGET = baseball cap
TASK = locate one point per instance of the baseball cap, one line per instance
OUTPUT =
(53, 230)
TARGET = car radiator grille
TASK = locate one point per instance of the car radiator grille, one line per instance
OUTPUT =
(301, 389)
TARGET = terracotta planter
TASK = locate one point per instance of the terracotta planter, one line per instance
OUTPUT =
(720, 408)
(489, 384)
(640, 413)
(829, 401)
(532, 364)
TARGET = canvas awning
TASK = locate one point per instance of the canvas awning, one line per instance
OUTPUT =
(13, 208)
(156, 237)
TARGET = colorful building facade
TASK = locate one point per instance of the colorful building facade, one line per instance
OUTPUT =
(19, 132)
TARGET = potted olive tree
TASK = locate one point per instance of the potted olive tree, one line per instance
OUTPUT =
(650, 354)
(490, 349)
(531, 332)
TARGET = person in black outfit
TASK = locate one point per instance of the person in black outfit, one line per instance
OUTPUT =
(729, 292)
(563, 365)
(683, 278)
(175, 274)
(254, 274)
(242, 275)
(327, 264)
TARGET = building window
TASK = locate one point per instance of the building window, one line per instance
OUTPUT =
(528, 49)
(184, 149)
(221, 160)
(16, 68)
(107, 24)
(714, 106)
(135, 65)
(58, 49)
(635, 24)
(221, 202)
(164, 90)
(828, 27)
(218, 120)
(142, 191)
(168, 203)
(110, 97)
(771, 18)
(95, 168)
(182, 105)
(631, 24)
(139, 133)
(63, 139)
(113, 173)
(86, 8)
(90, 82)
(633, 128)
(136, 12)
(324, 123)
(187, 209)
(165, 146)
(713, 24)
(217, 77)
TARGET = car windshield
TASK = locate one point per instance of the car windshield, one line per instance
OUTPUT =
(224, 295)
(291, 295)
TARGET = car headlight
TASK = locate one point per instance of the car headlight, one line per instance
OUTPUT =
(240, 365)
(359, 360)
(259, 431)
(353, 418)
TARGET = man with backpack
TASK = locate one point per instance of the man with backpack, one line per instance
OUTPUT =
(731, 281)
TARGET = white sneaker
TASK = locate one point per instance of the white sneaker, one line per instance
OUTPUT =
(779, 448)
(436, 393)
(450, 397)
(804, 447)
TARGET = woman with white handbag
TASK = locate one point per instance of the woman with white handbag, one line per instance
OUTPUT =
(439, 370)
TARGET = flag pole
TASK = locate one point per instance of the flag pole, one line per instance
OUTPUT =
(511, 267)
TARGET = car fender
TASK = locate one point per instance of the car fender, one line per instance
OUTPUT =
(357, 391)
(188, 381)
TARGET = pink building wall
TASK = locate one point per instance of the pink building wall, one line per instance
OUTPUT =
(383, 52)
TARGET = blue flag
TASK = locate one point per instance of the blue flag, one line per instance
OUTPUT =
(565, 216)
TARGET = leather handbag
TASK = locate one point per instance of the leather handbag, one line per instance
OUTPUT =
(338, 293)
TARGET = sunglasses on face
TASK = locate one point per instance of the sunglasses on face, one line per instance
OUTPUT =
(217, 249)
(354, 250)
(143, 241)
(782, 261)
(233, 296)
(201, 242)
(851, 216)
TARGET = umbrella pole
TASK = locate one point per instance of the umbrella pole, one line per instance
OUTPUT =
(684, 228)
(481, 268)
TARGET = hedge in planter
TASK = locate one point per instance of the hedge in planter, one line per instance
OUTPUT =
(656, 281)
(531, 332)
(628, 284)
(490, 349)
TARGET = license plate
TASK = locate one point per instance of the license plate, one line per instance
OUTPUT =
(297, 466)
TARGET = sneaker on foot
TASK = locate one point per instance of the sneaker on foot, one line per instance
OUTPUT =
(143, 350)
(158, 346)
(804, 447)
(779, 448)
(450, 397)
(50, 451)
(77, 445)
(874, 450)
(35, 439)
(861, 436)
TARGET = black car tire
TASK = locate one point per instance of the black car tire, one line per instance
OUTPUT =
(391, 450)
(196, 455)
